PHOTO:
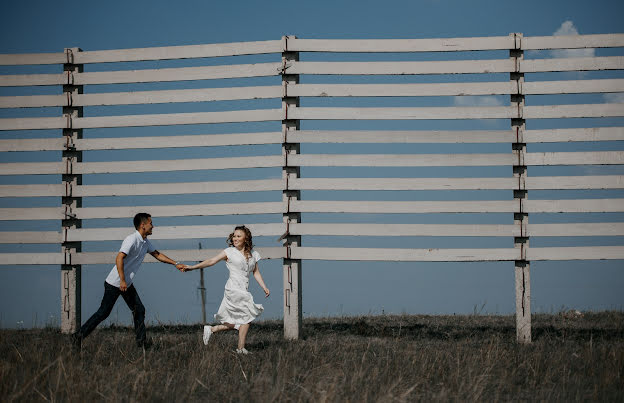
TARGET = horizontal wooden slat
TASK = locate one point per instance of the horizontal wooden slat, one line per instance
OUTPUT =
(54, 144)
(573, 111)
(425, 113)
(575, 158)
(401, 90)
(32, 168)
(258, 115)
(402, 183)
(574, 206)
(33, 101)
(572, 64)
(368, 229)
(32, 213)
(565, 135)
(16, 259)
(181, 210)
(23, 237)
(403, 207)
(144, 189)
(403, 68)
(178, 52)
(176, 232)
(400, 45)
(577, 229)
(575, 182)
(178, 74)
(406, 255)
(28, 80)
(178, 165)
(572, 41)
(52, 190)
(400, 160)
(32, 59)
(572, 86)
(576, 253)
(401, 136)
(182, 255)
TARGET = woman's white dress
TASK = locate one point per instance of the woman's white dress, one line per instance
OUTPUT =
(237, 306)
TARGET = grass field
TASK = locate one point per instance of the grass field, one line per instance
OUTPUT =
(373, 358)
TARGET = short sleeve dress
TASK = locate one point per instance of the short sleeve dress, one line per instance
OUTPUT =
(237, 306)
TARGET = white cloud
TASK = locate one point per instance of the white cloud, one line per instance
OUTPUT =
(473, 100)
(568, 28)
(614, 98)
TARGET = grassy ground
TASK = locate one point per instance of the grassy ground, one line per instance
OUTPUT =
(378, 358)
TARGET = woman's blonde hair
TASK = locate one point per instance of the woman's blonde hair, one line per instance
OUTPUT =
(248, 243)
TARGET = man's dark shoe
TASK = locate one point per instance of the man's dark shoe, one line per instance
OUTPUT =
(145, 344)
(76, 341)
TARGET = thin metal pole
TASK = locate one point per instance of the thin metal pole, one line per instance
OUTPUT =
(202, 291)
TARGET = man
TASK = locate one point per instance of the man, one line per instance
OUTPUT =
(119, 281)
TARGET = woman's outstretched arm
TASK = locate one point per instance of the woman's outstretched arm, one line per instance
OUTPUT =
(208, 262)
(258, 277)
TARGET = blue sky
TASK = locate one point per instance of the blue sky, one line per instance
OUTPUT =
(31, 295)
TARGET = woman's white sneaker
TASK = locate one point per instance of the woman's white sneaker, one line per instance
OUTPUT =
(207, 334)
(242, 351)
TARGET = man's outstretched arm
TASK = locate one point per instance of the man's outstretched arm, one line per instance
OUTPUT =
(165, 259)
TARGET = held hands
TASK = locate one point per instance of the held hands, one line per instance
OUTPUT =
(185, 268)
(180, 267)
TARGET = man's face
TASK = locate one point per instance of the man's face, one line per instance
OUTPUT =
(147, 226)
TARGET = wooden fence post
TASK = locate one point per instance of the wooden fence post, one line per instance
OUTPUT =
(292, 267)
(521, 218)
(71, 273)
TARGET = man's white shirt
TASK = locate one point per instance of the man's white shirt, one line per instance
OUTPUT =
(135, 248)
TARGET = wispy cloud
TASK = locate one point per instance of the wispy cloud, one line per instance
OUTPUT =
(614, 98)
(473, 100)
(568, 28)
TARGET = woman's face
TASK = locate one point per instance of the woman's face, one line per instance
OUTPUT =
(238, 239)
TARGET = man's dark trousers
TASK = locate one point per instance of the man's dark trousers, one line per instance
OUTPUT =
(111, 293)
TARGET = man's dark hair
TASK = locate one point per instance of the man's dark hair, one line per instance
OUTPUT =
(139, 218)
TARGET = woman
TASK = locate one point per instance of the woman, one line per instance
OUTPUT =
(237, 308)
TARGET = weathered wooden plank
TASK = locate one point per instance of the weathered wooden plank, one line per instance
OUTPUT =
(33, 101)
(572, 41)
(573, 111)
(572, 86)
(404, 207)
(178, 165)
(401, 136)
(575, 182)
(174, 232)
(577, 229)
(32, 168)
(179, 210)
(257, 115)
(575, 158)
(405, 255)
(178, 52)
(15, 259)
(424, 113)
(402, 183)
(17, 59)
(572, 64)
(51, 190)
(401, 160)
(33, 123)
(576, 253)
(179, 74)
(19, 237)
(403, 68)
(573, 206)
(207, 140)
(53, 144)
(32, 80)
(401, 90)
(564, 135)
(369, 229)
(400, 45)
(144, 189)
(181, 255)
(33, 213)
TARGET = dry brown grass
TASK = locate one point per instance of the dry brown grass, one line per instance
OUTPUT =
(380, 358)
